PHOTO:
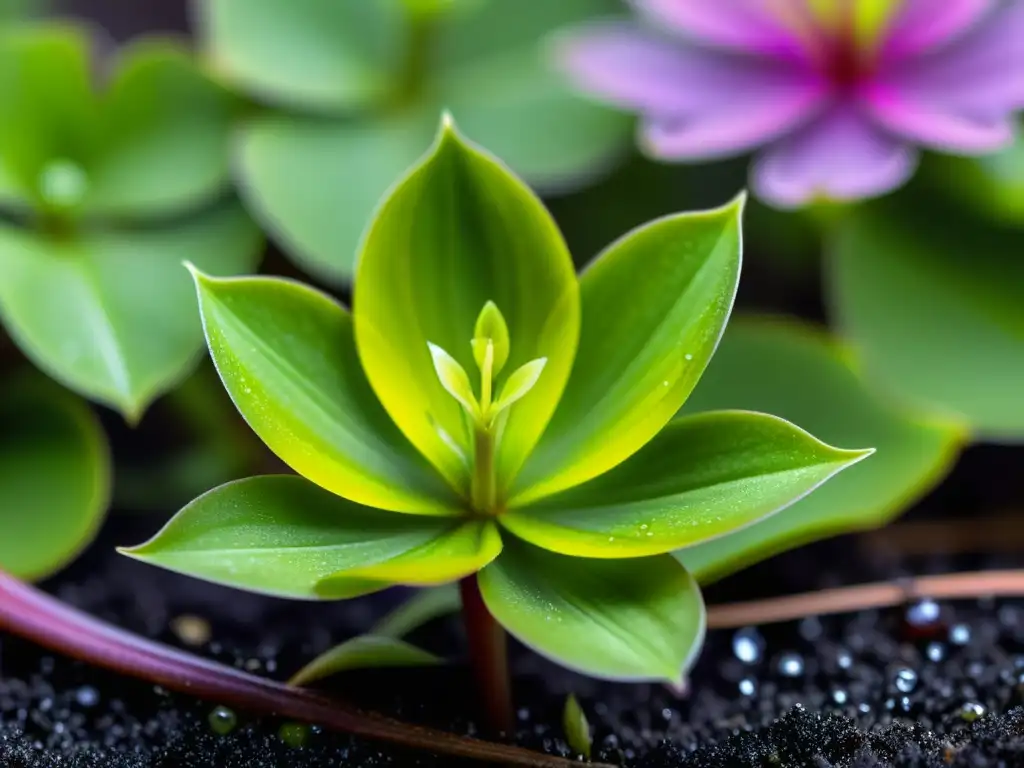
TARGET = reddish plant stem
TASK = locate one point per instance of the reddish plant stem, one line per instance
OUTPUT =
(489, 658)
(949, 586)
(36, 616)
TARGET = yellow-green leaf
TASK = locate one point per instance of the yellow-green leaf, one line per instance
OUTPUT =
(655, 304)
(458, 231)
(287, 356)
(703, 477)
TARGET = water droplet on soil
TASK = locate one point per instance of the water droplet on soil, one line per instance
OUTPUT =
(222, 720)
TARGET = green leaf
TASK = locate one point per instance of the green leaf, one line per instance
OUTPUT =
(286, 354)
(425, 605)
(281, 535)
(165, 131)
(320, 55)
(990, 186)
(702, 477)
(799, 373)
(492, 329)
(458, 231)
(576, 727)
(461, 551)
(654, 306)
(108, 313)
(54, 477)
(315, 184)
(519, 383)
(364, 652)
(48, 111)
(932, 300)
(454, 379)
(629, 620)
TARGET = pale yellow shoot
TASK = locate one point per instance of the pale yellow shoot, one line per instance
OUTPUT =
(491, 327)
(519, 383)
(454, 379)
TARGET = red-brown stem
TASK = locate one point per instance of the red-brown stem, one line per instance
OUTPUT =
(489, 658)
(36, 616)
(949, 586)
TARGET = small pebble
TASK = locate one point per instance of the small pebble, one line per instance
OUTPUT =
(192, 630)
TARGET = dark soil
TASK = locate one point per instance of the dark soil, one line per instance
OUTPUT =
(921, 686)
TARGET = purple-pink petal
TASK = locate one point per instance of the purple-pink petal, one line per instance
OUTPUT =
(923, 24)
(755, 26)
(696, 102)
(840, 156)
(958, 98)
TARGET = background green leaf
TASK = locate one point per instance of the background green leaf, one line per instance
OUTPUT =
(54, 476)
(701, 477)
(286, 354)
(931, 299)
(314, 183)
(630, 620)
(797, 372)
(112, 314)
(457, 232)
(654, 305)
(281, 535)
(48, 110)
(320, 55)
(165, 131)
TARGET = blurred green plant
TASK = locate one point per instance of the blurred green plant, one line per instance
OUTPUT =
(353, 90)
(548, 480)
(54, 475)
(105, 193)
(929, 294)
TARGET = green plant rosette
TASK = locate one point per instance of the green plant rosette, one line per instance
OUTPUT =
(482, 412)
(105, 193)
(353, 89)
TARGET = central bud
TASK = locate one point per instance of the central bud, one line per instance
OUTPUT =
(486, 413)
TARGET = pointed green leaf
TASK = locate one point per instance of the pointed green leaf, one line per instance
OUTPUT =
(461, 551)
(461, 230)
(165, 131)
(364, 652)
(702, 477)
(491, 327)
(630, 620)
(454, 379)
(315, 184)
(112, 314)
(655, 304)
(576, 727)
(519, 383)
(287, 356)
(54, 476)
(312, 55)
(281, 535)
(799, 373)
(425, 605)
(932, 300)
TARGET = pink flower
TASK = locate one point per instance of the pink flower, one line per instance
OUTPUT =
(839, 98)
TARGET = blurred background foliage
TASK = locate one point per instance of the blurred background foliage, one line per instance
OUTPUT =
(136, 136)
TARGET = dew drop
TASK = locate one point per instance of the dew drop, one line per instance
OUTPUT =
(960, 634)
(747, 687)
(971, 711)
(790, 664)
(906, 680)
(222, 720)
(839, 696)
(923, 613)
(935, 652)
(295, 735)
(63, 183)
(748, 645)
(87, 696)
